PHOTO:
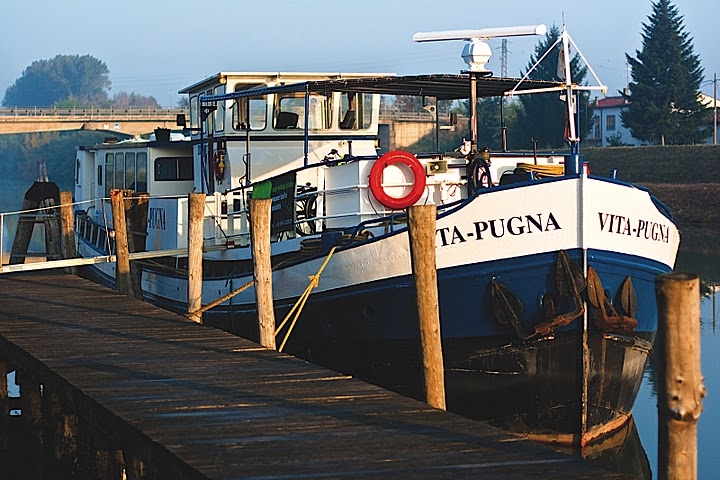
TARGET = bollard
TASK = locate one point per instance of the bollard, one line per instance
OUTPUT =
(681, 390)
(421, 228)
(123, 282)
(196, 209)
(262, 273)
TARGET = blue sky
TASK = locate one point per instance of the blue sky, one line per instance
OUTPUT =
(157, 48)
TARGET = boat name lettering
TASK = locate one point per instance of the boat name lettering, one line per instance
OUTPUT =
(622, 225)
(498, 227)
(156, 218)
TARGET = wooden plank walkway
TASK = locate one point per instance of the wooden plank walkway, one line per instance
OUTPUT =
(224, 408)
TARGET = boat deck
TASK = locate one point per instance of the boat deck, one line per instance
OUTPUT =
(213, 405)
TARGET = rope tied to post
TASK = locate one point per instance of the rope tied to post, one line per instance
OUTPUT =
(300, 304)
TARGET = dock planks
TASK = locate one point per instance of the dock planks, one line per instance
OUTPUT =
(221, 407)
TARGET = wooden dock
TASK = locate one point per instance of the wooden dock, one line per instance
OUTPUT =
(195, 402)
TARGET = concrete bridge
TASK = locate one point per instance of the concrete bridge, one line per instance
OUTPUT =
(131, 120)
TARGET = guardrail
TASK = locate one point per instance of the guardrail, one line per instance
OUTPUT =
(91, 112)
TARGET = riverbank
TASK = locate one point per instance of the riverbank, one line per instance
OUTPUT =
(695, 204)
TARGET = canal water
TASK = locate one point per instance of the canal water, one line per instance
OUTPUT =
(698, 254)
(634, 450)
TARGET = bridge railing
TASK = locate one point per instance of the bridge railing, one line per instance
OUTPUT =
(91, 112)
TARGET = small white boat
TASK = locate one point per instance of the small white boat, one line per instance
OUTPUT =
(545, 272)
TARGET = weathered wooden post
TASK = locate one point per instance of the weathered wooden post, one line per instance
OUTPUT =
(681, 384)
(123, 282)
(421, 226)
(60, 433)
(36, 194)
(4, 415)
(67, 226)
(196, 209)
(136, 213)
(262, 273)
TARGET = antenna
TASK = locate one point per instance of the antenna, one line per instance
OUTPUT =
(477, 53)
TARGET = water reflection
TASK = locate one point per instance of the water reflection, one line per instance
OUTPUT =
(621, 451)
(698, 254)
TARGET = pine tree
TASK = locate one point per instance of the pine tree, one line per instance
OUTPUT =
(542, 116)
(664, 104)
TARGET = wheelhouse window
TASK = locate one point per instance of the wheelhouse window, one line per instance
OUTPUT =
(250, 112)
(173, 169)
(290, 111)
(355, 111)
(220, 111)
(194, 112)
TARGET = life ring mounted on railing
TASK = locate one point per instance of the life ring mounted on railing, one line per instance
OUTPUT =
(376, 173)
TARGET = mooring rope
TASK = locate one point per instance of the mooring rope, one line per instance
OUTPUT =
(297, 308)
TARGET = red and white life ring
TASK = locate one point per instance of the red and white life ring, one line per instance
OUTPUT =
(390, 158)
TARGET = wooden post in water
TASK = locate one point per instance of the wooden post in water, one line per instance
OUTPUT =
(421, 227)
(123, 282)
(262, 273)
(67, 226)
(196, 209)
(136, 212)
(4, 415)
(680, 380)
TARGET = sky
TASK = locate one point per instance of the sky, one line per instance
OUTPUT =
(156, 48)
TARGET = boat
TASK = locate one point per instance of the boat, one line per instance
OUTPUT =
(545, 269)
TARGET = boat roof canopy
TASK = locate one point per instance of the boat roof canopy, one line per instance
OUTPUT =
(442, 87)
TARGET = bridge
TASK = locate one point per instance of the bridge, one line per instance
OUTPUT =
(130, 120)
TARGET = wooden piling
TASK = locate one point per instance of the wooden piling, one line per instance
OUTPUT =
(681, 384)
(51, 220)
(4, 415)
(67, 226)
(123, 281)
(262, 273)
(136, 213)
(421, 227)
(196, 208)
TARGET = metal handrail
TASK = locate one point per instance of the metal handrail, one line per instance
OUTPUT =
(91, 112)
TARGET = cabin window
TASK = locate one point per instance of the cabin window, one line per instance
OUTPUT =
(141, 174)
(99, 176)
(77, 171)
(130, 170)
(194, 114)
(173, 168)
(220, 111)
(610, 122)
(290, 111)
(119, 171)
(249, 111)
(109, 173)
(210, 119)
(355, 111)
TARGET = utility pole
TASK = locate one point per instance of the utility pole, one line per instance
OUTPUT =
(715, 109)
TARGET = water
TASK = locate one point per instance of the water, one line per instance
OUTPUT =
(698, 255)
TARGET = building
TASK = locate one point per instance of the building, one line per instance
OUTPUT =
(608, 129)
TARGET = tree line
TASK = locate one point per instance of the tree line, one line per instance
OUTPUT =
(67, 81)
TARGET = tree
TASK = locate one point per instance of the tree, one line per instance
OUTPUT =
(542, 116)
(125, 100)
(666, 75)
(65, 78)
